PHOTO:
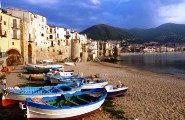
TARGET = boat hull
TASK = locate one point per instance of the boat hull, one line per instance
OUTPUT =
(113, 90)
(116, 93)
(73, 106)
(96, 85)
(11, 99)
(69, 118)
(34, 113)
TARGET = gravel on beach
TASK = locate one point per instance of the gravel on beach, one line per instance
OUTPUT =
(151, 96)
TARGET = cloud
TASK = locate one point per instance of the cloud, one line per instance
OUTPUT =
(95, 2)
(90, 4)
(42, 3)
(172, 13)
(38, 2)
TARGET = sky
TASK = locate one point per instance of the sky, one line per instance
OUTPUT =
(81, 14)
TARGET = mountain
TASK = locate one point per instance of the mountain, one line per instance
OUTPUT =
(106, 32)
(164, 33)
(169, 32)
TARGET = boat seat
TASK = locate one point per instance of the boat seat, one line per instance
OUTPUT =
(78, 97)
(69, 99)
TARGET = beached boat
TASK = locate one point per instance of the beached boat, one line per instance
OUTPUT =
(45, 65)
(69, 63)
(91, 84)
(115, 90)
(45, 61)
(36, 77)
(58, 79)
(57, 74)
(14, 95)
(68, 106)
(102, 75)
(87, 83)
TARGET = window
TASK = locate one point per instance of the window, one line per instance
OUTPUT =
(53, 50)
(67, 43)
(51, 37)
(52, 44)
(14, 23)
(57, 35)
(1, 18)
(29, 37)
(58, 42)
(4, 22)
(42, 35)
(50, 30)
(12, 43)
(14, 33)
(42, 19)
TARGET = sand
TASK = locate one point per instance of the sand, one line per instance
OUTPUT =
(151, 96)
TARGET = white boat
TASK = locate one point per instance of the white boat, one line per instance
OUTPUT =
(94, 84)
(68, 106)
(115, 90)
(69, 63)
(14, 95)
(45, 65)
(45, 61)
(87, 84)
(102, 75)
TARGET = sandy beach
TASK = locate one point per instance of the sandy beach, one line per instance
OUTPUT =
(151, 96)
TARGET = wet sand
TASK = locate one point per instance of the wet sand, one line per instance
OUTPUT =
(151, 96)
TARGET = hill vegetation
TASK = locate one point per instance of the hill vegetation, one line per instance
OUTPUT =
(106, 32)
(169, 32)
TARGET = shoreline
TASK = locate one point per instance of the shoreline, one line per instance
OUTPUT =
(150, 95)
(148, 53)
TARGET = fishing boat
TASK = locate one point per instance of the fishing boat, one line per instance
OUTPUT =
(14, 95)
(115, 90)
(58, 79)
(68, 106)
(87, 83)
(102, 75)
(57, 74)
(91, 84)
(45, 65)
(69, 63)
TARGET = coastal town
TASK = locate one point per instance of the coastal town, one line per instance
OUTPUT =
(27, 38)
(49, 71)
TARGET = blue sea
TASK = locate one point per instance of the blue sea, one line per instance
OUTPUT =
(167, 63)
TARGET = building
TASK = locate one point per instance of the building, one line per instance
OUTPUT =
(26, 38)
(10, 38)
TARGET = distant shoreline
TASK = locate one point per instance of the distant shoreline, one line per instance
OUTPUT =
(127, 54)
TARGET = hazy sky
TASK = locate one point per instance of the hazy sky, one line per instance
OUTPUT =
(81, 14)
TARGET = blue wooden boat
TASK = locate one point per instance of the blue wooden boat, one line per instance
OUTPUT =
(68, 106)
(14, 95)
(58, 79)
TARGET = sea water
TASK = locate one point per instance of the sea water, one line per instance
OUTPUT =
(167, 63)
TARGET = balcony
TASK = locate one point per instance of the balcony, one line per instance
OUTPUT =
(67, 36)
(30, 40)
